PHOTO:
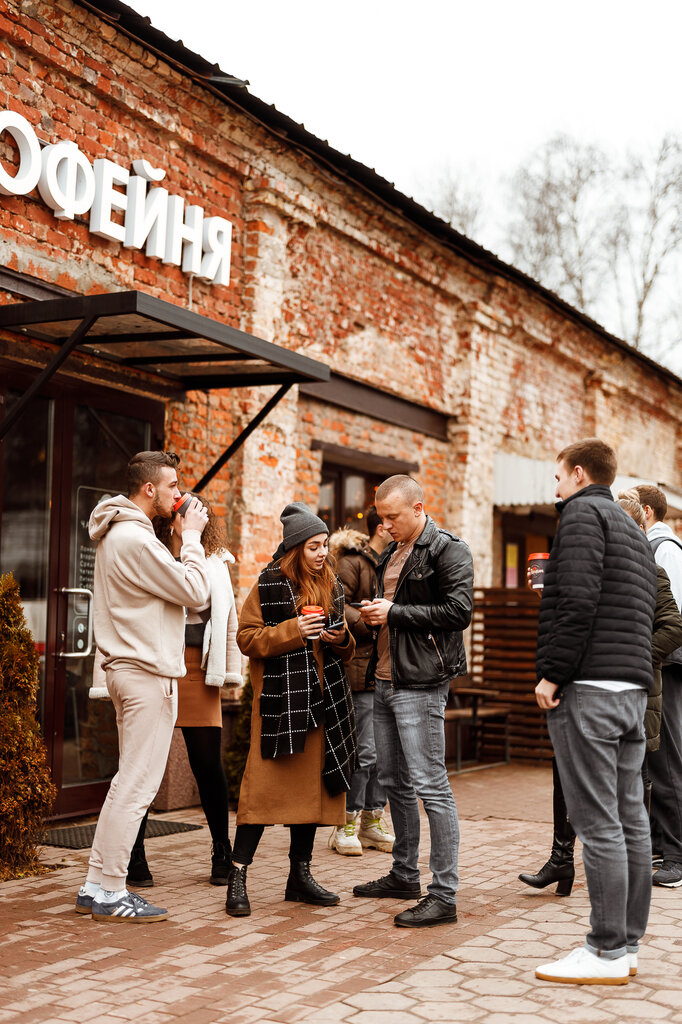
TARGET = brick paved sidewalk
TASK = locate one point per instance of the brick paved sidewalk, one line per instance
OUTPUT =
(289, 962)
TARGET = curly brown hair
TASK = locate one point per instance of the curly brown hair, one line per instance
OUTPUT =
(213, 538)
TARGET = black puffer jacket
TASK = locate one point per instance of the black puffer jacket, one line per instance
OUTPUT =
(598, 602)
(431, 606)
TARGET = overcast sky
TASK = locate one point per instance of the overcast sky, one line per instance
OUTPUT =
(412, 88)
(406, 87)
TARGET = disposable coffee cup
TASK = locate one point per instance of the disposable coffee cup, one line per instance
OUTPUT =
(313, 609)
(182, 504)
(537, 563)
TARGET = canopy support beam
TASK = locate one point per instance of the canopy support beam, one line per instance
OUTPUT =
(241, 438)
(72, 342)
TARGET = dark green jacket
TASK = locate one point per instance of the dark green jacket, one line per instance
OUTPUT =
(667, 636)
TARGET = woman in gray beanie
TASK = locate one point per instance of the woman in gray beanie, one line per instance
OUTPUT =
(302, 753)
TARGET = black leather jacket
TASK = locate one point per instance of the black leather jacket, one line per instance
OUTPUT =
(431, 606)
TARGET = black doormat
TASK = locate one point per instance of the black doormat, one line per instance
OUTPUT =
(79, 837)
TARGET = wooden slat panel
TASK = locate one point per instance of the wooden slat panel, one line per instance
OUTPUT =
(504, 637)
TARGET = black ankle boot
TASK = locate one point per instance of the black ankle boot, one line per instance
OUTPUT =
(221, 863)
(560, 867)
(302, 887)
(237, 902)
(139, 875)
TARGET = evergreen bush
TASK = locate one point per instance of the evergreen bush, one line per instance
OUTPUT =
(26, 789)
(238, 751)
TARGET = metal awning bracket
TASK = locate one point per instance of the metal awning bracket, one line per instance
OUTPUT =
(65, 350)
(241, 438)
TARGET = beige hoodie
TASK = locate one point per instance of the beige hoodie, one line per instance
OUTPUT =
(141, 591)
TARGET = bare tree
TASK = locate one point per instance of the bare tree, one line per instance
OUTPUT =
(607, 237)
(455, 201)
(644, 240)
(559, 221)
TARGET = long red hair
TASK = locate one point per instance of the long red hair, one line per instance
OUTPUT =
(310, 586)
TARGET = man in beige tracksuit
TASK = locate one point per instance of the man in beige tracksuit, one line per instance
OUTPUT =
(140, 593)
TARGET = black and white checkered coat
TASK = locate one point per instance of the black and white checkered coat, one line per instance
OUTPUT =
(293, 702)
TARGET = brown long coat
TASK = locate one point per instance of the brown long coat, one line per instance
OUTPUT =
(284, 790)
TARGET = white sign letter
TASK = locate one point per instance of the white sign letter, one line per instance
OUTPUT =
(146, 217)
(28, 173)
(184, 235)
(107, 198)
(67, 181)
(215, 266)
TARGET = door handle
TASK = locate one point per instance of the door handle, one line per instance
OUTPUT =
(88, 649)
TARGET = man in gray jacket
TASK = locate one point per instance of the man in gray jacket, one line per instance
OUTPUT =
(140, 594)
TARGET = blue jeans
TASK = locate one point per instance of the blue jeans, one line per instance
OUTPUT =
(598, 740)
(365, 792)
(410, 742)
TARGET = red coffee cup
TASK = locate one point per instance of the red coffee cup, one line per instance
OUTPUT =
(313, 609)
(182, 504)
(536, 564)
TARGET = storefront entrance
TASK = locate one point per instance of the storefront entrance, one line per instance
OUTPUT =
(68, 450)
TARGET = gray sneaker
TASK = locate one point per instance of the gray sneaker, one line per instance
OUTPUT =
(669, 875)
(83, 903)
(130, 908)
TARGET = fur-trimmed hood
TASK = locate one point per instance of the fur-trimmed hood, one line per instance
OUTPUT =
(347, 541)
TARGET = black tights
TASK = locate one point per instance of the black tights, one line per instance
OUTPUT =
(203, 744)
(247, 838)
(204, 752)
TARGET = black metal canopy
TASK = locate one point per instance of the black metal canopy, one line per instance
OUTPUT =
(179, 347)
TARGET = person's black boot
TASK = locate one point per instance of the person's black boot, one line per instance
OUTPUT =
(560, 867)
(237, 902)
(302, 887)
(221, 863)
(139, 875)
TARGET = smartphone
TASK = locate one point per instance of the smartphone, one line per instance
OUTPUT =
(356, 604)
(336, 625)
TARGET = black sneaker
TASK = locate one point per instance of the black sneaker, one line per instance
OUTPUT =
(389, 887)
(669, 874)
(427, 912)
(131, 908)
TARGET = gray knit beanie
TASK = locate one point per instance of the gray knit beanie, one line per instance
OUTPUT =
(299, 523)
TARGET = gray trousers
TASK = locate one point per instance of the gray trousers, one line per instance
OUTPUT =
(599, 744)
(665, 769)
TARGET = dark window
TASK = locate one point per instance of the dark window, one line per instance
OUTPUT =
(345, 496)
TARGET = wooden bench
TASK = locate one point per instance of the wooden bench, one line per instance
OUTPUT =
(474, 716)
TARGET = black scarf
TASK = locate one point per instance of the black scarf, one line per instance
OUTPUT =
(293, 702)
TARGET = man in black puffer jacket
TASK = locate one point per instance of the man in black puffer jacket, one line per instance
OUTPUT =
(594, 670)
(425, 582)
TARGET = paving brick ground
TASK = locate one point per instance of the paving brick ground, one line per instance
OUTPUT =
(289, 963)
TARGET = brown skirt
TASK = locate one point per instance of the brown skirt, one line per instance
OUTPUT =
(198, 704)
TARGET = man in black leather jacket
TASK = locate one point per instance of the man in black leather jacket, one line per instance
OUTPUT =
(425, 586)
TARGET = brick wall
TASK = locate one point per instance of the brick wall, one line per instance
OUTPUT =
(321, 267)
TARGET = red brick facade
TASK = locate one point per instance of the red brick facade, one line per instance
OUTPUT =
(319, 266)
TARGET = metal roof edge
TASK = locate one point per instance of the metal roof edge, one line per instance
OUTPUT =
(141, 29)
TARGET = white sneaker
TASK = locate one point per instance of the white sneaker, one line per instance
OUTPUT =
(632, 957)
(344, 840)
(373, 832)
(581, 967)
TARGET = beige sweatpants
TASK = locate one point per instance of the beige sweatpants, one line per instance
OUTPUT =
(146, 708)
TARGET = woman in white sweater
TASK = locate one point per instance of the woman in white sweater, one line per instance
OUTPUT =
(212, 659)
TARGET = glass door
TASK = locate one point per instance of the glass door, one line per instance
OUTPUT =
(68, 451)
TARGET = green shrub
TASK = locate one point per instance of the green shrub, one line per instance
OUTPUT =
(26, 789)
